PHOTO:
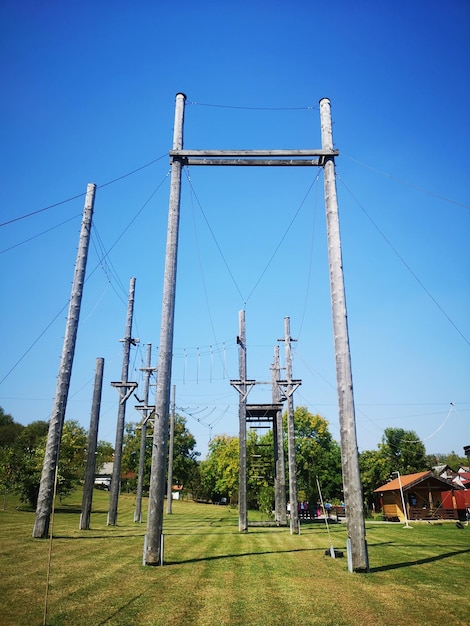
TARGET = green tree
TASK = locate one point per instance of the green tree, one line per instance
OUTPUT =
(451, 459)
(9, 429)
(219, 471)
(318, 455)
(72, 459)
(28, 454)
(400, 450)
(403, 451)
(184, 454)
(375, 471)
(104, 453)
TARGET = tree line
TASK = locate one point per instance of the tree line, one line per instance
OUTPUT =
(214, 479)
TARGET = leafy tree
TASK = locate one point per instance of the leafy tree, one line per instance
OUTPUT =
(104, 453)
(451, 459)
(318, 455)
(9, 429)
(22, 451)
(375, 471)
(404, 451)
(219, 472)
(184, 455)
(72, 460)
(400, 450)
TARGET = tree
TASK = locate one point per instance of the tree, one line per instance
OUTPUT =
(375, 471)
(219, 471)
(9, 429)
(318, 455)
(404, 451)
(72, 459)
(27, 457)
(400, 450)
(451, 459)
(184, 455)
(104, 453)
(22, 451)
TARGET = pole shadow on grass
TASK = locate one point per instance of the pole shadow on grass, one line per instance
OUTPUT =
(431, 559)
(124, 606)
(242, 554)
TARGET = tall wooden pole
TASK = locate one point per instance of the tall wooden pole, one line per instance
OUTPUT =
(243, 392)
(349, 454)
(152, 554)
(87, 497)
(279, 462)
(294, 513)
(143, 437)
(51, 458)
(169, 493)
(123, 387)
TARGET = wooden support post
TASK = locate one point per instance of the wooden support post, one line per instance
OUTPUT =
(280, 507)
(349, 454)
(242, 500)
(153, 539)
(51, 457)
(125, 388)
(143, 436)
(294, 513)
(169, 489)
(90, 469)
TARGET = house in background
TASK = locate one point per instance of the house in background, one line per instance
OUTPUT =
(444, 471)
(422, 493)
(103, 477)
(462, 478)
(177, 492)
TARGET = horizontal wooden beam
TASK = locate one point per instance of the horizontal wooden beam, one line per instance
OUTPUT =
(269, 162)
(253, 153)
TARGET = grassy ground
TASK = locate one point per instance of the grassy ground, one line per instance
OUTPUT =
(215, 575)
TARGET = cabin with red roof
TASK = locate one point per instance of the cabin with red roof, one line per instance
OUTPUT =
(422, 496)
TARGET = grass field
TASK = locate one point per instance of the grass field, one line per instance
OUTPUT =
(213, 575)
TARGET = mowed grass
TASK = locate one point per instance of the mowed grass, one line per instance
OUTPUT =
(213, 575)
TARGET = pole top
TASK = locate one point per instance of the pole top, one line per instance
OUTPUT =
(324, 99)
(181, 94)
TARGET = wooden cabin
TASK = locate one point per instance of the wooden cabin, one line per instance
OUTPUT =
(422, 493)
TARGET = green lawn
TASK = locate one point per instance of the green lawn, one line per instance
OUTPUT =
(213, 575)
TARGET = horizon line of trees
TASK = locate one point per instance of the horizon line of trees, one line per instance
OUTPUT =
(318, 457)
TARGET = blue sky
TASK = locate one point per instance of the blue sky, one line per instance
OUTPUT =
(89, 91)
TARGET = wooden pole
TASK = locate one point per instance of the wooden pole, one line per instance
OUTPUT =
(169, 489)
(294, 513)
(242, 500)
(280, 507)
(153, 540)
(51, 457)
(349, 454)
(87, 497)
(123, 387)
(143, 437)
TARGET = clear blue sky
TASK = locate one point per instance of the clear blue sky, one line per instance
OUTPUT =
(88, 96)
